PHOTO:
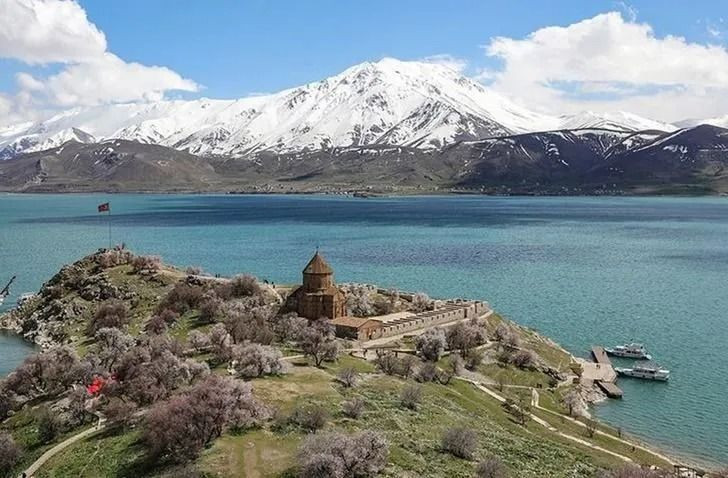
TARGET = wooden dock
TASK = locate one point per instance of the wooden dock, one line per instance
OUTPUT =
(606, 383)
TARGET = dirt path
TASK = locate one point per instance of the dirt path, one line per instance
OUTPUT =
(35, 466)
(548, 426)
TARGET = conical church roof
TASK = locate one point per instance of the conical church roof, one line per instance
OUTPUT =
(318, 265)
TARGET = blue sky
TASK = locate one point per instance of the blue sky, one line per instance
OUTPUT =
(239, 47)
(662, 59)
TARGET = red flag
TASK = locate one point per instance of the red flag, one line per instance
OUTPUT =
(104, 207)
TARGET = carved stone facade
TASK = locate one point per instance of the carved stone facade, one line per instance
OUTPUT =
(318, 296)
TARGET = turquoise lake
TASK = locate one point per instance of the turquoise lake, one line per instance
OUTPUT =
(583, 271)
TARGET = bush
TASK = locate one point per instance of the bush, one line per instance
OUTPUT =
(9, 453)
(347, 377)
(337, 455)
(309, 417)
(119, 412)
(353, 408)
(460, 442)
(198, 340)
(182, 426)
(109, 314)
(48, 426)
(491, 468)
(245, 321)
(210, 307)
(464, 336)
(431, 344)
(387, 363)
(411, 396)
(142, 264)
(156, 325)
(427, 373)
(524, 359)
(255, 360)
(245, 286)
(421, 302)
(182, 298)
(114, 257)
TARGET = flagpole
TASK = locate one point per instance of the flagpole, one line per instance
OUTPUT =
(109, 218)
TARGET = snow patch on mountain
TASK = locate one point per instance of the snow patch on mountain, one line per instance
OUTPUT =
(622, 121)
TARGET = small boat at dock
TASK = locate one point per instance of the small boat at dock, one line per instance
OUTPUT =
(634, 350)
(645, 372)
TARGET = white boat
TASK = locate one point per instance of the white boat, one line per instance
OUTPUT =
(646, 372)
(634, 350)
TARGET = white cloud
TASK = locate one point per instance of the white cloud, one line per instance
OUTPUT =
(609, 63)
(39, 31)
(58, 32)
(454, 63)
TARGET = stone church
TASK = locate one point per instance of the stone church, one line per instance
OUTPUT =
(318, 296)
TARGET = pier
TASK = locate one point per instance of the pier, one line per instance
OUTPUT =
(602, 373)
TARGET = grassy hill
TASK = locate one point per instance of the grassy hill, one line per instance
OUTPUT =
(550, 444)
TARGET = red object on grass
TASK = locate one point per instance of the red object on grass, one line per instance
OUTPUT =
(96, 386)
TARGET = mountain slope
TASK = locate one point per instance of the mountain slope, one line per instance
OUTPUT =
(392, 102)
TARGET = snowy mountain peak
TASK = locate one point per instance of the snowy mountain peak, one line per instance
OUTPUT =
(412, 103)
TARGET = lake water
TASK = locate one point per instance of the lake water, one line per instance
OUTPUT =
(581, 270)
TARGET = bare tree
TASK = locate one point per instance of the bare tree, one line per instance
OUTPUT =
(318, 342)
(248, 322)
(474, 359)
(220, 343)
(353, 408)
(156, 325)
(464, 336)
(147, 264)
(255, 360)
(109, 314)
(180, 427)
(245, 286)
(348, 377)
(359, 301)
(421, 302)
(337, 455)
(411, 396)
(524, 359)
(491, 467)
(427, 372)
(210, 305)
(198, 340)
(460, 442)
(112, 343)
(10, 453)
(591, 427)
(48, 425)
(431, 344)
(573, 401)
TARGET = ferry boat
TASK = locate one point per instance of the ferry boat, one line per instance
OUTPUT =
(645, 371)
(634, 350)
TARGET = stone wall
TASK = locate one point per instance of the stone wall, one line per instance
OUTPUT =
(450, 312)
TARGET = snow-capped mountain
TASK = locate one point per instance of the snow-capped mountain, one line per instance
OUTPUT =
(621, 120)
(419, 104)
(721, 122)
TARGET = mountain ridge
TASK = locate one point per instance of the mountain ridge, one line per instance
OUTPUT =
(427, 105)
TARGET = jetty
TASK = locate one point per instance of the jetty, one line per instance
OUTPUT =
(603, 373)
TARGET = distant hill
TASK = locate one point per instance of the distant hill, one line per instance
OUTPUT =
(581, 161)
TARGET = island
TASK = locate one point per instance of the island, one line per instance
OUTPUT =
(148, 370)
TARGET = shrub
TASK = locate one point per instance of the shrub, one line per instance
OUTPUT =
(474, 359)
(248, 322)
(427, 372)
(460, 442)
(337, 455)
(182, 298)
(255, 360)
(114, 257)
(48, 426)
(245, 286)
(431, 344)
(524, 359)
(290, 327)
(180, 427)
(309, 417)
(119, 412)
(421, 302)
(210, 306)
(198, 340)
(359, 301)
(411, 396)
(142, 264)
(491, 468)
(353, 408)
(406, 366)
(387, 363)
(156, 325)
(220, 343)
(7, 401)
(9, 453)
(347, 377)
(109, 314)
